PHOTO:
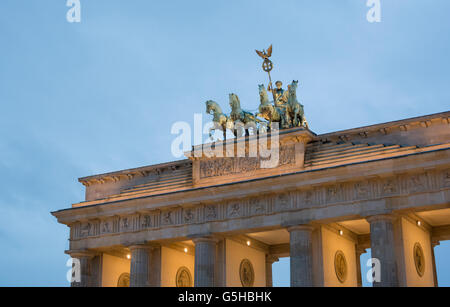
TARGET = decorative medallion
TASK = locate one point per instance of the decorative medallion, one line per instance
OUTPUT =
(246, 273)
(419, 259)
(124, 280)
(340, 266)
(184, 278)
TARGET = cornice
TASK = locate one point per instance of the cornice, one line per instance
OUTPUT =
(388, 127)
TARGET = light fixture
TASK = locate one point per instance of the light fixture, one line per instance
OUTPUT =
(128, 256)
(185, 249)
(419, 223)
(249, 243)
(341, 232)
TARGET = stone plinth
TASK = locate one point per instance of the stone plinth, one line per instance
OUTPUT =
(246, 158)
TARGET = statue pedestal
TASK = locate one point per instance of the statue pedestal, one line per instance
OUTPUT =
(251, 157)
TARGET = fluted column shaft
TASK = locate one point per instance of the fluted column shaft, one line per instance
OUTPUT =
(358, 252)
(301, 256)
(383, 248)
(205, 262)
(139, 267)
(87, 268)
(269, 261)
(84, 271)
(433, 245)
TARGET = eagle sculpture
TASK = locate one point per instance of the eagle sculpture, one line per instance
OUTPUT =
(265, 55)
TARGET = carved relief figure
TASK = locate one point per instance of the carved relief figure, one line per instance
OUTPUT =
(282, 202)
(106, 227)
(340, 266)
(416, 183)
(419, 259)
(361, 189)
(390, 187)
(188, 215)
(167, 218)
(287, 155)
(256, 206)
(332, 193)
(125, 223)
(124, 280)
(234, 210)
(145, 221)
(246, 273)
(183, 278)
(86, 230)
(210, 212)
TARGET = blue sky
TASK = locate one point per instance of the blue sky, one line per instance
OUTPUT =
(101, 95)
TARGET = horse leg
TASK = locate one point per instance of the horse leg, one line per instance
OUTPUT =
(295, 119)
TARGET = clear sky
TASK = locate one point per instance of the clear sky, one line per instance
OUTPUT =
(101, 95)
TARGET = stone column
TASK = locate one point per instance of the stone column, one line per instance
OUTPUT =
(433, 245)
(301, 256)
(89, 266)
(205, 261)
(139, 267)
(155, 266)
(383, 248)
(270, 259)
(359, 251)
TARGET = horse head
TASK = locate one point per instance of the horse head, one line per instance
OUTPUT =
(234, 102)
(292, 88)
(264, 98)
(212, 106)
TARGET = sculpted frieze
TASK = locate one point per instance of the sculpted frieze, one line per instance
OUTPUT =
(362, 189)
(390, 187)
(234, 209)
(417, 183)
(167, 218)
(264, 204)
(106, 226)
(214, 167)
(145, 221)
(210, 212)
(189, 215)
(282, 202)
(125, 224)
(257, 206)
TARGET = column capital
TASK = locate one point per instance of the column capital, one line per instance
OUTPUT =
(206, 239)
(271, 259)
(142, 246)
(81, 253)
(435, 242)
(305, 227)
(382, 217)
(360, 250)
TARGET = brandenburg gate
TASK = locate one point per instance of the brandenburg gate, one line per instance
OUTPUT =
(224, 221)
(224, 215)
